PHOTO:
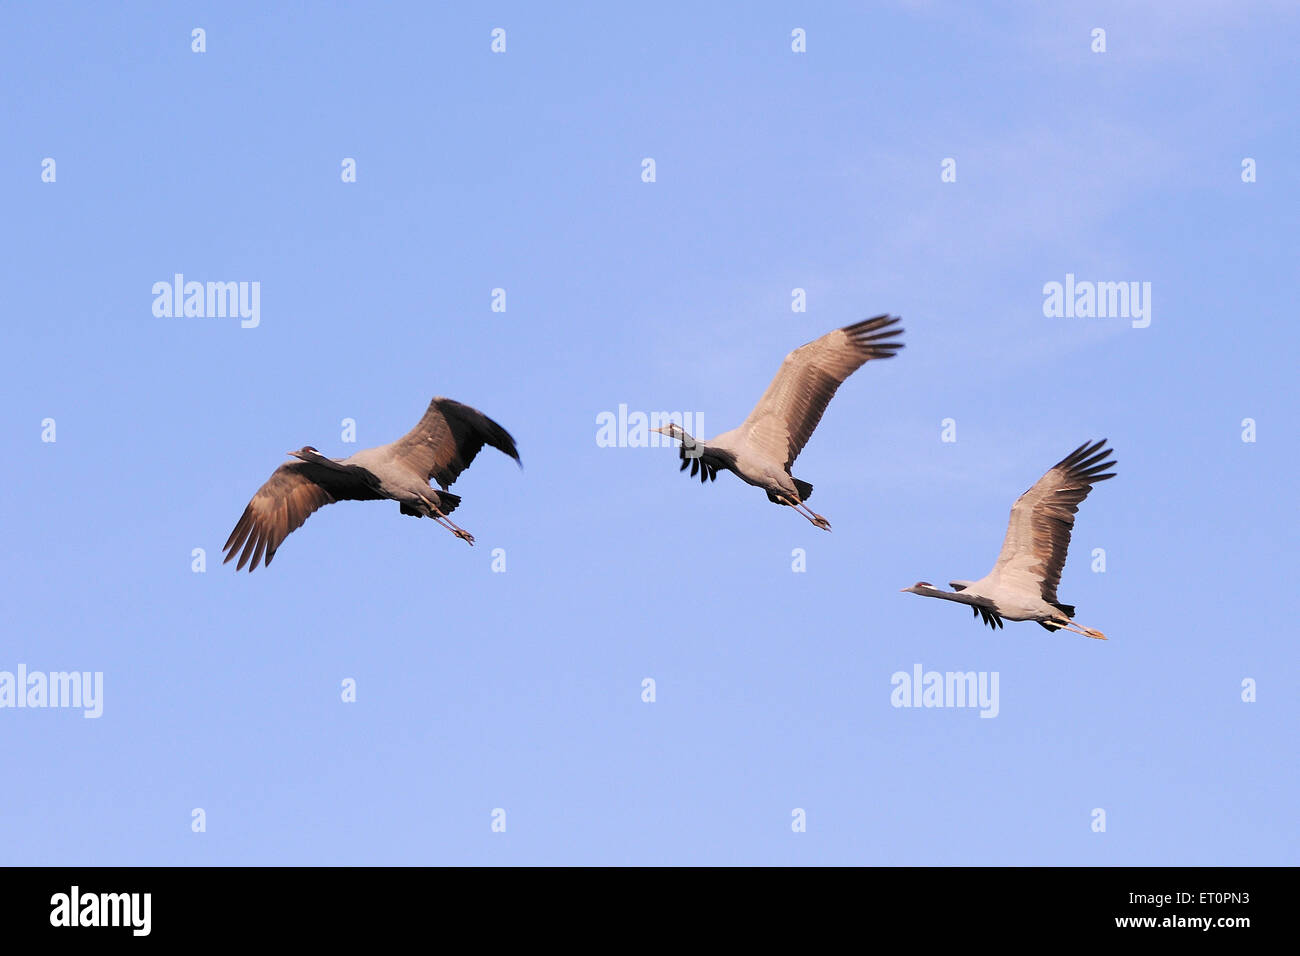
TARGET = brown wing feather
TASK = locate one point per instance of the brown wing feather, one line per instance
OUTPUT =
(283, 503)
(1038, 534)
(447, 439)
(785, 417)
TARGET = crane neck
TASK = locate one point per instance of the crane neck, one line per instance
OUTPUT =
(961, 597)
(319, 459)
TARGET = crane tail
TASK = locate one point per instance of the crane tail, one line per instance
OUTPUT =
(447, 503)
(1066, 609)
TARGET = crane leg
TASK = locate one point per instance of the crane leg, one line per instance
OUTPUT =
(812, 516)
(1075, 628)
(454, 529)
(781, 498)
(436, 514)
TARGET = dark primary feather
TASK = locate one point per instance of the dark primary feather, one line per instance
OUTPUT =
(446, 439)
(286, 500)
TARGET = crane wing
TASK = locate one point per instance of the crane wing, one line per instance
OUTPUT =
(1038, 534)
(447, 438)
(284, 502)
(784, 418)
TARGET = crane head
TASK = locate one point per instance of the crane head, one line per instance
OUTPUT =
(917, 587)
(673, 430)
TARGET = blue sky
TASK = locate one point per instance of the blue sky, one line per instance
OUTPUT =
(521, 690)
